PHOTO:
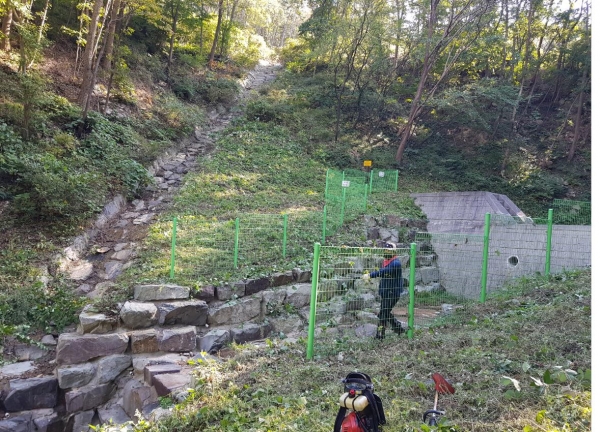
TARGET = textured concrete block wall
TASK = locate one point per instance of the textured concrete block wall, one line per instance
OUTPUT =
(514, 251)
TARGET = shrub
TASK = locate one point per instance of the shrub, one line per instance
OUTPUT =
(219, 90)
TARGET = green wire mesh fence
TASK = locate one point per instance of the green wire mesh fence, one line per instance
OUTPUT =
(448, 276)
(203, 248)
(567, 212)
(346, 306)
(383, 181)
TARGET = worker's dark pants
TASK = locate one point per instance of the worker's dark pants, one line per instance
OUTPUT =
(388, 300)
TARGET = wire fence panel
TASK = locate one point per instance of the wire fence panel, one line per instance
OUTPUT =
(447, 276)
(517, 248)
(261, 238)
(346, 305)
(203, 247)
(383, 181)
(567, 212)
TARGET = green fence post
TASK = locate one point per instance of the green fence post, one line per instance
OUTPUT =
(366, 193)
(484, 265)
(324, 224)
(326, 183)
(343, 206)
(313, 302)
(396, 185)
(173, 240)
(236, 242)
(371, 182)
(411, 290)
(549, 241)
(285, 226)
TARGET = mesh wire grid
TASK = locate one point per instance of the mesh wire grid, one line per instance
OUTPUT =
(383, 180)
(346, 304)
(567, 212)
(448, 270)
(204, 247)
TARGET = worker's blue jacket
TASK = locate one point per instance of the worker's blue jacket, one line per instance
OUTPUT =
(391, 277)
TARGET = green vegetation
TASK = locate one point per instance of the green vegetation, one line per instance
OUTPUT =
(523, 362)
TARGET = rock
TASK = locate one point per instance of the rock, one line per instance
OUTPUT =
(49, 423)
(80, 422)
(137, 315)
(298, 295)
(280, 279)
(16, 424)
(160, 292)
(100, 289)
(111, 367)
(140, 361)
(81, 271)
(167, 383)
(26, 352)
(86, 398)
(73, 348)
(143, 219)
(190, 312)
(95, 323)
(235, 312)
(130, 215)
(257, 285)
(137, 396)
(152, 370)
(17, 369)
(430, 275)
(83, 289)
(122, 255)
(75, 376)
(206, 293)
(251, 332)
(302, 276)
(115, 413)
(177, 340)
(213, 340)
(145, 341)
(120, 246)
(366, 330)
(31, 393)
(112, 269)
(48, 340)
(228, 292)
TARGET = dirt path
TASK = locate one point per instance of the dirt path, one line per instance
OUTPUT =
(98, 257)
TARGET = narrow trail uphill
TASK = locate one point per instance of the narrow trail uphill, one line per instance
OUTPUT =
(108, 367)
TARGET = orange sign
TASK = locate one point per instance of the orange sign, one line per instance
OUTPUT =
(367, 163)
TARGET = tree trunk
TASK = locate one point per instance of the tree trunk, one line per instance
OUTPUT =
(7, 21)
(87, 84)
(174, 21)
(578, 120)
(43, 22)
(213, 49)
(110, 36)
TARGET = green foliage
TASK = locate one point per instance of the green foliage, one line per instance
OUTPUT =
(218, 90)
(25, 301)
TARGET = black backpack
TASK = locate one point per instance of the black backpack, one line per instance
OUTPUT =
(368, 419)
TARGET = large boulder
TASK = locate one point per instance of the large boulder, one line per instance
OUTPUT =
(76, 375)
(160, 292)
(31, 393)
(137, 315)
(144, 341)
(235, 312)
(73, 348)
(178, 339)
(189, 312)
(86, 398)
(111, 367)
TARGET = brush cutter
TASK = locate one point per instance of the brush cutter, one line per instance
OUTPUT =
(442, 387)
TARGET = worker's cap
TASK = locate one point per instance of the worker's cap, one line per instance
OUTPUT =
(389, 245)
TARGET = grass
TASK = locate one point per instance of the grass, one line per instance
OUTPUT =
(535, 332)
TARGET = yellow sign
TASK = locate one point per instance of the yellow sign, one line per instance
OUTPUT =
(367, 163)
